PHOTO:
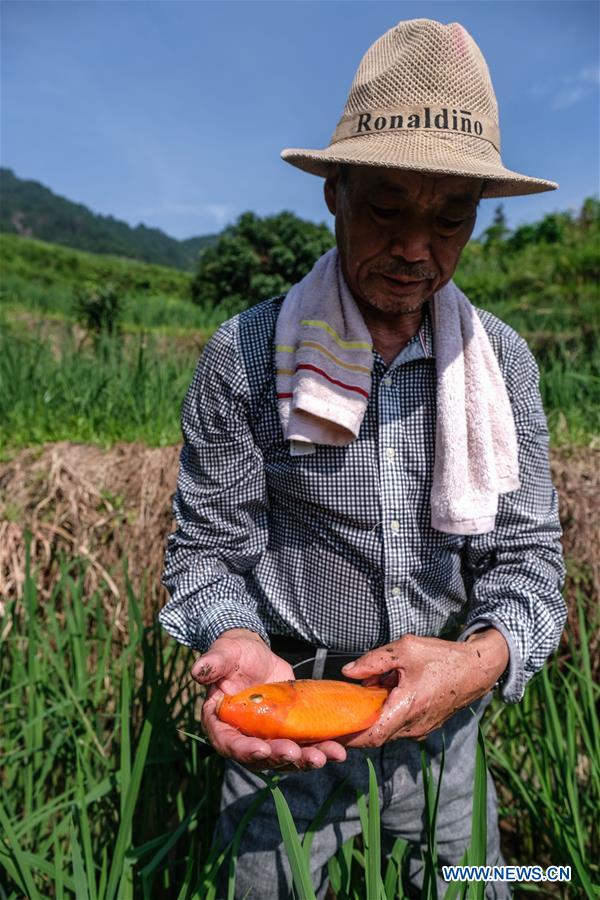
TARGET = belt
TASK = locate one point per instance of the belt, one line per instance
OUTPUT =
(310, 660)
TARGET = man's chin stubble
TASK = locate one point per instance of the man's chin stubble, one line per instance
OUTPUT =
(389, 307)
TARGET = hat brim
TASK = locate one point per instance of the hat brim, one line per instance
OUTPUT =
(435, 153)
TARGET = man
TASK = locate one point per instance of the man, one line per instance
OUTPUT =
(323, 512)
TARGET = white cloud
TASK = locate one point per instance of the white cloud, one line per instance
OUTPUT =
(568, 96)
(575, 87)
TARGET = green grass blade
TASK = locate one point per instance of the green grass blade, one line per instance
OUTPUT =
(18, 856)
(116, 867)
(457, 887)
(237, 839)
(293, 847)
(125, 749)
(102, 881)
(172, 839)
(79, 876)
(39, 865)
(392, 883)
(58, 869)
(126, 884)
(478, 846)
(363, 815)
(373, 847)
(430, 854)
(591, 891)
(186, 883)
(85, 831)
(588, 681)
(340, 869)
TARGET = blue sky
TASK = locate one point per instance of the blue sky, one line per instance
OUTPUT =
(174, 113)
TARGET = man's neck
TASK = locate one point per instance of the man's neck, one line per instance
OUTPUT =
(390, 333)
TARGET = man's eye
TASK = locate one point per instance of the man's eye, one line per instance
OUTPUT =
(450, 223)
(383, 212)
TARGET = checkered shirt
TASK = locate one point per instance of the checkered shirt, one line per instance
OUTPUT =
(336, 548)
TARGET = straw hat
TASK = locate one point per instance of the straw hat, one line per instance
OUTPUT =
(422, 99)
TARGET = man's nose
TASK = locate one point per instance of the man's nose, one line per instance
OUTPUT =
(411, 241)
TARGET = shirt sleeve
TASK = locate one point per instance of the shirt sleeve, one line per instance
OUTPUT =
(517, 570)
(220, 505)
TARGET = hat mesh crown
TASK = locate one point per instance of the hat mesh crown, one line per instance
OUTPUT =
(423, 62)
(419, 83)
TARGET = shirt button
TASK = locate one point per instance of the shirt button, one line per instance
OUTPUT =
(395, 526)
(387, 381)
(396, 591)
(390, 452)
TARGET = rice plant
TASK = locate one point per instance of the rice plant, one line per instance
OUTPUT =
(104, 793)
(100, 394)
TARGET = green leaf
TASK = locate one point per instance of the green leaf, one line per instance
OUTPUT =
(171, 840)
(456, 887)
(477, 852)
(293, 847)
(116, 867)
(15, 851)
(85, 831)
(431, 803)
(79, 876)
(392, 883)
(373, 847)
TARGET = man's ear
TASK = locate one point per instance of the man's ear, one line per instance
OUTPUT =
(330, 189)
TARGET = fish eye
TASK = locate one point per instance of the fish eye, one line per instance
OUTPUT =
(256, 698)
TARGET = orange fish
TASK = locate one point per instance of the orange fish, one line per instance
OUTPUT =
(303, 710)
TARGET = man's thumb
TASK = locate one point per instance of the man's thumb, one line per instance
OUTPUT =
(210, 667)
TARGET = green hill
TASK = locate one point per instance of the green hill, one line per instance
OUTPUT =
(29, 209)
(47, 265)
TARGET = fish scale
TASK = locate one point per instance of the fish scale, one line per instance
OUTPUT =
(304, 710)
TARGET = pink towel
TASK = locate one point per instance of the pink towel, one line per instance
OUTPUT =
(324, 361)
(324, 358)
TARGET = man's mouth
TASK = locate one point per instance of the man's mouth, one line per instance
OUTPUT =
(404, 285)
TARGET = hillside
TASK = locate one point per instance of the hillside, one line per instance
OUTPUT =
(30, 209)
(39, 263)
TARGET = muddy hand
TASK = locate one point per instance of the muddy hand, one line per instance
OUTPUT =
(433, 680)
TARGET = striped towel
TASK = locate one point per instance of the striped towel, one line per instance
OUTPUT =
(324, 359)
(323, 364)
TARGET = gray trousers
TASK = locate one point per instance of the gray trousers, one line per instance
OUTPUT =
(263, 871)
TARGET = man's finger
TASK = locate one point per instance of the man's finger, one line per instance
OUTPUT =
(333, 750)
(375, 662)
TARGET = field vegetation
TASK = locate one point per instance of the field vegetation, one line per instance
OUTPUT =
(107, 795)
(542, 280)
(104, 792)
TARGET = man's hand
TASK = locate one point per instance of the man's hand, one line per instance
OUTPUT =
(237, 660)
(431, 679)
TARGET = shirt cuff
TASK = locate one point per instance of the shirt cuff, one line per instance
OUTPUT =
(216, 619)
(511, 683)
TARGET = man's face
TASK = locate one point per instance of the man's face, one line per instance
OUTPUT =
(400, 234)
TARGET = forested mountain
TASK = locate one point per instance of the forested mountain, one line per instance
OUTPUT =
(29, 209)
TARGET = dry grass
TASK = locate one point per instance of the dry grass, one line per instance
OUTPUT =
(81, 500)
(112, 505)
